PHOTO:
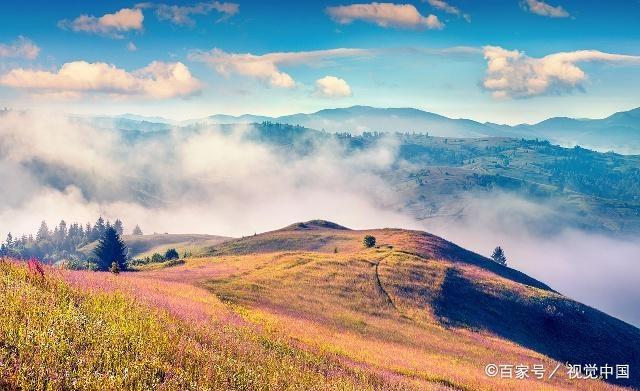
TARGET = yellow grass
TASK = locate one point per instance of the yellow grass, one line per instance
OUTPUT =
(56, 337)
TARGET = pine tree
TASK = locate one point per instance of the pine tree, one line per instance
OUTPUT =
(498, 256)
(119, 227)
(99, 227)
(110, 249)
(43, 233)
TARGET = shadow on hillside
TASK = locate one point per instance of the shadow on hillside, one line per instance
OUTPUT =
(556, 327)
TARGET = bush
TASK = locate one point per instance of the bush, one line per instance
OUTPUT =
(369, 241)
(157, 258)
(115, 269)
(171, 254)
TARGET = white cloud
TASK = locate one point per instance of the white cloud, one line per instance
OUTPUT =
(448, 8)
(111, 25)
(266, 67)
(385, 15)
(541, 8)
(512, 74)
(158, 80)
(132, 47)
(332, 87)
(181, 15)
(20, 48)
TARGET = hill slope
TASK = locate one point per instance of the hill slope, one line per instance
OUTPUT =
(308, 307)
(412, 284)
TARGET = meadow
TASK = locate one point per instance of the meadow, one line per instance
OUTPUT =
(302, 308)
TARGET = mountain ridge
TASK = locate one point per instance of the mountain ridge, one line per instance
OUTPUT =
(619, 131)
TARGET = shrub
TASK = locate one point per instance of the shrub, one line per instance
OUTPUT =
(171, 254)
(157, 258)
(369, 241)
(114, 268)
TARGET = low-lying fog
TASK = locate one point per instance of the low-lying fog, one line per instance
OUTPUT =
(53, 168)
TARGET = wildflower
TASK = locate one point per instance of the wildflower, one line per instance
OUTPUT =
(35, 268)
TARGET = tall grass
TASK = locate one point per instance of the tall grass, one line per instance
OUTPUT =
(55, 337)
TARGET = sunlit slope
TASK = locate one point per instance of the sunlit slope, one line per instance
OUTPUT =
(449, 311)
(98, 334)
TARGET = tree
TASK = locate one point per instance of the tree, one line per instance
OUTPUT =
(498, 256)
(110, 249)
(369, 241)
(119, 227)
(171, 254)
(137, 230)
(43, 232)
(99, 228)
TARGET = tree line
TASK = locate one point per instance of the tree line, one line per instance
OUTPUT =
(62, 242)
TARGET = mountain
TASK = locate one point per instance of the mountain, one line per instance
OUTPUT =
(619, 132)
(364, 118)
(224, 119)
(415, 293)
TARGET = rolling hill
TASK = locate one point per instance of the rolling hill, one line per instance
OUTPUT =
(417, 280)
(309, 307)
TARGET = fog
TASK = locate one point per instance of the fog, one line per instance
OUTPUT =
(599, 270)
(216, 181)
(207, 181)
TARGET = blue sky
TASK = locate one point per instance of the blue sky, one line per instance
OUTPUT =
(404, 61)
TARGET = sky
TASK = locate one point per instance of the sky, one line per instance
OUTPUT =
(508, 61)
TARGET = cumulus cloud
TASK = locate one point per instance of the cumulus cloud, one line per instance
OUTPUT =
(448, 8)
(266, 67)
(385, 15)
(158, 80)
(541, 8)
(332, 87)
(512, 74)
(132, 47)
(111, 25)
(20, 48)
(182, 15)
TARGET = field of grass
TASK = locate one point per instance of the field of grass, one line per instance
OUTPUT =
(284, 310)
(94, 335)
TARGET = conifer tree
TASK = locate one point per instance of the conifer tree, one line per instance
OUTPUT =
(111, 249)
(498, 256)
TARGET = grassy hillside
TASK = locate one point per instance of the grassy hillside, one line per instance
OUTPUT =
(55, 337)
(304, 307)
(419, 284)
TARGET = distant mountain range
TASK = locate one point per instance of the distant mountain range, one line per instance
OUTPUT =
(619, 132)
